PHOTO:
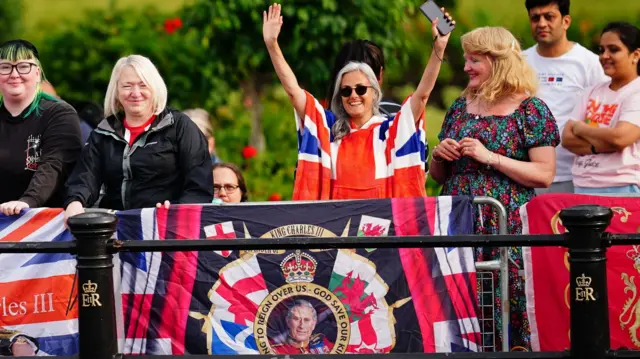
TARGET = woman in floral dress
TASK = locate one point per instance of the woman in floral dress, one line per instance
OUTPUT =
(498, 140)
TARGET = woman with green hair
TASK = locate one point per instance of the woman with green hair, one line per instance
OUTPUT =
(40, 134)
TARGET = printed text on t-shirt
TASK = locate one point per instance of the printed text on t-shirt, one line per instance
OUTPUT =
(586, 162)
(599, 113)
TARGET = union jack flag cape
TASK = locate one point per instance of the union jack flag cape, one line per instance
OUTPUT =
(393, 155)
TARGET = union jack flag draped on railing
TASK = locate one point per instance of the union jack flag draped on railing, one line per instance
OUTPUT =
(35, 289)
(357, 301)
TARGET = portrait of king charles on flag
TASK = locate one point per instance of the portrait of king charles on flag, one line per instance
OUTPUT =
(300, 336)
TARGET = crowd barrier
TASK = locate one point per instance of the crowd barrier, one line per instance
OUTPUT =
(586, 241)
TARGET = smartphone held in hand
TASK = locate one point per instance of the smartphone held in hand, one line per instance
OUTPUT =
(432, 11)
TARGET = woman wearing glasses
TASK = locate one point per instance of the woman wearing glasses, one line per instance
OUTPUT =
(40, 135)
(352, 151)
(228, 183)
(144, 153)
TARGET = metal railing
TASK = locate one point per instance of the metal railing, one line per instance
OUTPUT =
(586, 240)
(501, 265)
(482, 268)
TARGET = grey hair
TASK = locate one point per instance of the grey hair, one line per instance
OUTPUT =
(302, 303)
(202, 119)
(341, 127)
(147, 72)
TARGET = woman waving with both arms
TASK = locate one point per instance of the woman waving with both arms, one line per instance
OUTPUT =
(351, 151)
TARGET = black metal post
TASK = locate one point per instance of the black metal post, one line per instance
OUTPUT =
(96, 316)
(588, 279)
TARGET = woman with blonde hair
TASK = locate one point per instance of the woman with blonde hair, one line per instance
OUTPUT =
(497, 140)
(144, 153)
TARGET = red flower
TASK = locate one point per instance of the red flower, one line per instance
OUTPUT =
(172, 25)
(248, 102)
(275, 197)
(249, 152)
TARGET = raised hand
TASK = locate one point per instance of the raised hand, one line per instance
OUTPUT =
(272, 23)
(440, 42)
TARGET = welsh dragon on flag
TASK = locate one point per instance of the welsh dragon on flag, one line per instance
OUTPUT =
(307, 300)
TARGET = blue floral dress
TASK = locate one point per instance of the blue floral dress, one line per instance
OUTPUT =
(531, 125)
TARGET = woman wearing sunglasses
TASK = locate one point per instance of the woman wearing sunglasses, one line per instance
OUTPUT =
(40, 135)
(352, 151)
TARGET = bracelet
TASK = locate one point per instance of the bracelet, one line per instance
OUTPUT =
(435, 52)
(489, 160)
(433, 158)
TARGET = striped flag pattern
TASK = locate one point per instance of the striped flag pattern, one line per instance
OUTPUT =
(187, 302)
(442, 280)
(36, 289)
(397, 151)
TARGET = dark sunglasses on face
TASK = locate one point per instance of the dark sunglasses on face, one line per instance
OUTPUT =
(360, 90)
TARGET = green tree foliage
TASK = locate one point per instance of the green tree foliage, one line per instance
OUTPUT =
(10, 19)
(313, 32)
(79, 59)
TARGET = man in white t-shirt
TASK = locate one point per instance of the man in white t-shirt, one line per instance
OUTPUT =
(565, 69)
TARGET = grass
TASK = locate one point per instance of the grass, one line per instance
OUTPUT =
(512, 12)
(41, 16)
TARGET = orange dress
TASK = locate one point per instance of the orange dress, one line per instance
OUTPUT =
(382, 159)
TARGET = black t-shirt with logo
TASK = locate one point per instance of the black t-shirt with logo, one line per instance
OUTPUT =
(37, 153)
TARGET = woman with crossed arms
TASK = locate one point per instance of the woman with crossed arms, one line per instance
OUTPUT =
(605, 131)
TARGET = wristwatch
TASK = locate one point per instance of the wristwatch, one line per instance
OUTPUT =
(593, 150)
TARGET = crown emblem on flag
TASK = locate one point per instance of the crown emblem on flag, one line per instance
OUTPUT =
(89, 287)
(583, 281)
(299, 267)
(633, 254)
